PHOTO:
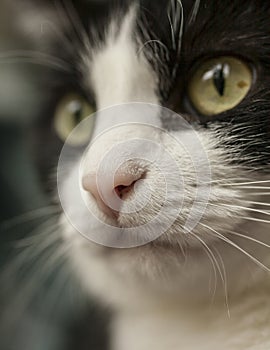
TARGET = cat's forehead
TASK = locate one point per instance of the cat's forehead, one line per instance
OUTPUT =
(207, 24)
(158, 11)
(161, 41)
(173, 31)
(198, 26)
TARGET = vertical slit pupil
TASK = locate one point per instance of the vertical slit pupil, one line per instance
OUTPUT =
(219, 79)
(77, 110)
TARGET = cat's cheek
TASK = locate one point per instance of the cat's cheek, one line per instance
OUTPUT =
(141, 270)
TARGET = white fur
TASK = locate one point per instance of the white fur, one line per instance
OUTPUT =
(162, 298)
(118, 74)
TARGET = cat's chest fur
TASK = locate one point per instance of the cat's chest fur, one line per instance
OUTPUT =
(247, 328)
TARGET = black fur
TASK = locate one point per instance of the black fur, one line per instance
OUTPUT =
(221, 27)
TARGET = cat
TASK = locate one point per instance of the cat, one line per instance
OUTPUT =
(166, 196)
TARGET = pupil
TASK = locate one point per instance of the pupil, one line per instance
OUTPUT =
(76, 110)
(220, 79)
(77, 115)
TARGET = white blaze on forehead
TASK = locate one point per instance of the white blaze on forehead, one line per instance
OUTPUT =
(119, 74)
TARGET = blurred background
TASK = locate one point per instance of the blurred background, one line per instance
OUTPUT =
(41, 307)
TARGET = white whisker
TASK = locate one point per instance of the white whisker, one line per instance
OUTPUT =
(254, 219)
(29, 216)
(249, 238)
(195, 11)
(232, 206)
(31, 252)
(225, 281)
(252, 187)
(227, 240)
(34, 57)
(175, 16)
(259, 194)
(257, 203)
(248, 183)
(267, 213)
(213, 261)
(45, 267)
(153, 41)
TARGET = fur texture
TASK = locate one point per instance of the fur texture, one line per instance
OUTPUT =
(208, 288)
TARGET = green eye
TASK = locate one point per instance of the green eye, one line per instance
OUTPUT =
(70, 112)
(219, 84)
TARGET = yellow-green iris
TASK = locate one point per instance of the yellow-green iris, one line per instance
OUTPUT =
(219, 84)
(70, 112)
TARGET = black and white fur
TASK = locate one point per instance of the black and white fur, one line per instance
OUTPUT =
(208, 289)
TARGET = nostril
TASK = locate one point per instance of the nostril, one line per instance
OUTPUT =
(122, 190)
(103, 190)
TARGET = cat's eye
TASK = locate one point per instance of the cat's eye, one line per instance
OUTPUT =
(70, 112)
(219, 84)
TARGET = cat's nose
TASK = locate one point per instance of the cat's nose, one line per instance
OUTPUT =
(110, 194)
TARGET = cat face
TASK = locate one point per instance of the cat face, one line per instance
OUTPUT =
(181, 132)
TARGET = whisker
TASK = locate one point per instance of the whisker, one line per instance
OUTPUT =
(257, 203)
(249, 238)
(34, 57)
(172, 9)
(225, 281)
(254, 219)
(248, 183)
(240, 207)
(54, 294)
(212, 259)
(30, 253)
(228, 241)
(232, 206)
(60, 252)
(176, 21)
(259, 194)
(29, 216)
(182, 247)
(252, 187)
(195, 11)
(226, 182)
(153, 41)
(51, 238)
(40, 251)
(232, 182)
(28, 290)
(33, 238)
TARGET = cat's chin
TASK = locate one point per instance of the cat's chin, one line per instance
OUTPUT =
(163, 268)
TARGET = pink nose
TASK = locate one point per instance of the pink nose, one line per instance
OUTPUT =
(109, 194)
